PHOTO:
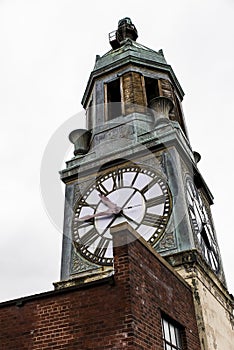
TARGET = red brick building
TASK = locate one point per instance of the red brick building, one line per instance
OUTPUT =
(121, 311)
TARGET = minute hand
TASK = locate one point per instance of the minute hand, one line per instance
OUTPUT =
(101, 213)
(126, 202)
(107, 202)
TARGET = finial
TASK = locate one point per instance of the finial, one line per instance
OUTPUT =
(81, 140)
(126, 30)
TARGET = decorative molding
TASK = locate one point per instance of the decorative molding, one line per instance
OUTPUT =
(80, 187)
(167, 242)
(78, 264)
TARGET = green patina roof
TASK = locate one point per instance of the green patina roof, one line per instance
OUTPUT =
(129, 52)
(129, 48)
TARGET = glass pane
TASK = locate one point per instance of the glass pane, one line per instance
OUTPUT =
(166, 330)
(173, 336)
(168, 347)
(178, 338)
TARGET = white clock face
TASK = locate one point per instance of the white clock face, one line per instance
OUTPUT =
(130, 193)
(202, 226)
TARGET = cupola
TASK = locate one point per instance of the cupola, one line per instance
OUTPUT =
(127, 79)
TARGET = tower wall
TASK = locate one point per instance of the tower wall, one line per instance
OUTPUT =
(213, 303)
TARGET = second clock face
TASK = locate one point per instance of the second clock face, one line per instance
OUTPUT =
(134, 194)
(202, 226)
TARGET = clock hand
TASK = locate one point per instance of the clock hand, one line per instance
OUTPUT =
(107, 201)
(101, 213)
(129, 219)
(133, 206)
(206, 238)
(119, 212)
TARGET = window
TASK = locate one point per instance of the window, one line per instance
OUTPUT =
(180, 118)
(89, 115)
(171, 335)
(114, 99)
(151, 89)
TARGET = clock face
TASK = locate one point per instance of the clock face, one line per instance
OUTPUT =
(129, 193)
(202, 226)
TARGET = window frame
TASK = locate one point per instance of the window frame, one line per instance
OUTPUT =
(155, 91)
(173, 336)
(107, 111)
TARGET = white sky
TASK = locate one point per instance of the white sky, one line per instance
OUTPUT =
(48, 50)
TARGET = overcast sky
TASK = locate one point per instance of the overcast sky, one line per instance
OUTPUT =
(48, 50)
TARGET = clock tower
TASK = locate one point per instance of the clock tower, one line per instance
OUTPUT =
(134, 163)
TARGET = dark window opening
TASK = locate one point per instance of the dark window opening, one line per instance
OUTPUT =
(180, 115)
(89, 115)
(114, 99)
(151, 89)
(173, 335)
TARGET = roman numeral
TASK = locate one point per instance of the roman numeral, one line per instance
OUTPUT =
(134, 179)
(152, 202)
(153, 220)
(192, 209)
(149, 185)
(117, 179)
(82, 224)
(89, 205)
(114, 179)
(213, 261)
(102, 189)
(195, 224)
(89, 237)
(102, 247)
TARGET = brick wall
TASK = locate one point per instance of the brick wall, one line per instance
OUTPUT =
(154, 289)
(120, 312)
(133, 94)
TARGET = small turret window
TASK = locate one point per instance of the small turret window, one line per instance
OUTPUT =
(113, 98)
(89, 115)
(180, 118)
(151, 89)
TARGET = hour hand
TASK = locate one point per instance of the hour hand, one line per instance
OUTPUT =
(101, 213)
(107, 202)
